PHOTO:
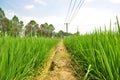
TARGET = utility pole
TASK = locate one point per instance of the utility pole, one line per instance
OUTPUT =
(66, 24)
(77, 29)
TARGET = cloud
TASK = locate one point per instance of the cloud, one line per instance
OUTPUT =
(10, 13)
(27, 19)
(89, 0)
(115, 1)
(57, 21)
(89, 19)
(29, 7)
(84, 21)
(41, 2)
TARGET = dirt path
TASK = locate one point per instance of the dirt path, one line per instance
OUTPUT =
(58, 66)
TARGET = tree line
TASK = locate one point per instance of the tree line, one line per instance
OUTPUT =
(15, 27)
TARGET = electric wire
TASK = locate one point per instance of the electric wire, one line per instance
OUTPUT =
(73, 9)
(68, 11)
(77, 10)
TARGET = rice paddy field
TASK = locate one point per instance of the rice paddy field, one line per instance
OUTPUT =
(96, 56)
(20, 58)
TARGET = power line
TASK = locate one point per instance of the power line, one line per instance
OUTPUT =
(68, 10)
(73, 9)
(77, 10)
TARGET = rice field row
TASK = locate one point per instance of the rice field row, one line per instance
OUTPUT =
(95, 56)
(99, 51)
(20, 58)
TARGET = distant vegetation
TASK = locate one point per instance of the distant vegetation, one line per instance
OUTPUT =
(15, 27)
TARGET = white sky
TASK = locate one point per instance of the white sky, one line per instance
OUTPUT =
(93, 13)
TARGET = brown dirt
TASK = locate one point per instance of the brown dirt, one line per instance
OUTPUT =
(59, 67)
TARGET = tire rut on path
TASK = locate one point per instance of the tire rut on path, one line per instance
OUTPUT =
(60, 66)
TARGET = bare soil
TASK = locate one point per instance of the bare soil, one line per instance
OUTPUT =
(59, 66)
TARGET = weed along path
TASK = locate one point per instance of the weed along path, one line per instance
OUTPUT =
(59, 68)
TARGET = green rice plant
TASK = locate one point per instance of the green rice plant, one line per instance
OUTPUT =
(118, 25)
(20, 58)
(100, 50)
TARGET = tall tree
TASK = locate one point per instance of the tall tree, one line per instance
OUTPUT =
(31, 28)
(47, 30)
(16, 26)
(5, 26)
(50, 30)
(44, 30)
(2, 14)
(2, 19)
(61, 34)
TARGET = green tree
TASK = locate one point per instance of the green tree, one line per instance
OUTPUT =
(2, 14)
(50, 30)
(5, 26)
(15, 26)
(61, 34)
(47, 29)
(44, 29)
(2, 19)
(31, 29)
